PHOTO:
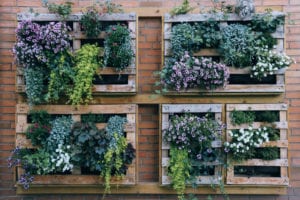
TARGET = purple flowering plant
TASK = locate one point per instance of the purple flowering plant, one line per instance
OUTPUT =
(196, 135)
(36, 44)
(190, 72)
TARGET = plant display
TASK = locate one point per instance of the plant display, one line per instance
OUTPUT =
(190, 138)
(117, 47)
(90, 22)
(86, 63)
(192, 72)
(182, 9)
(238, 45)
(269, 62)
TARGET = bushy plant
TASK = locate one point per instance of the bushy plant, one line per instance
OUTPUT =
(245, 141)
(209, 32)
(62, 10)
(118, 52)
(37, 133)
(238, 45)
(86, 63)
(241, 117)
(266, 22)
(90, 22)
(192, 72)
(110, 7)
(184, 38)
(182, 9)
(269, 62)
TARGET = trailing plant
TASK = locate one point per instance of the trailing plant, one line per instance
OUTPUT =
(179, 170)
(62, 10)
(184, 38)
(269, 62)
(266, 22)
(57, 144)
(182, 9)
(241, 117)
(61, 77)
(35, 87)
(118, 52)
(86, 63)
(238, 45)
(39, 162)
(191, 138)
(90, 22)
(192, 72)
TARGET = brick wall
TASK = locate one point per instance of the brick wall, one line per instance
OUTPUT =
(149, 47)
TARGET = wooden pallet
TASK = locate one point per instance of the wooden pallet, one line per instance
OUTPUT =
(130, 128)
(167, 110)
(282, 144)
(78, 37)
(275, 87)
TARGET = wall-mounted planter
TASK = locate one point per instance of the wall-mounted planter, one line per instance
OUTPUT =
(112, 82)
(239, 80)
(169, 109)
(263, 172)
(129, 110)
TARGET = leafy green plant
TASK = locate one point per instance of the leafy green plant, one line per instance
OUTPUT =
(267, 116)
(241, 117)
(118, 52)
(268, 153)
(238, 45)
(39, 162)
(61, 77)
(209, 32)
(179, 170)
(90, 22)
(89, 145)
(86, 63)
(39, 116)
(37, 133)
(184, 38)
(266, 22)
(63, 10)
(182, 9)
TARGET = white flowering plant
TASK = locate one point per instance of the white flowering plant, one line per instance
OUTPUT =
(61, 158)
(244, 142)
(269, 62)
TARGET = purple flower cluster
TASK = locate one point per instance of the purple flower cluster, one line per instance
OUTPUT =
(192, 72)
(193, 133)
(25, 180)
(35, 43)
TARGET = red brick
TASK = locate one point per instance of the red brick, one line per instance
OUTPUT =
(274, 2)
(150, 4)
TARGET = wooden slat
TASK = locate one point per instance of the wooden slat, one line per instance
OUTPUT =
(112, 71)
(259, 181)
(84, 109)
(256, 107)
(195, 108)
(260, 162)
(256, 125)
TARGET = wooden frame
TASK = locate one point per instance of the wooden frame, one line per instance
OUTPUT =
(130, 128)
(78, 35)
(259, 89)
(282, 143)
(166, 111)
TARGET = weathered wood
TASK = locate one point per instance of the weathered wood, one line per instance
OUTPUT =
(256, 107)
(195, 108)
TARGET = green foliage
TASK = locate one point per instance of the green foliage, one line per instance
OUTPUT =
(63, 10)
(89, 145)
(209, 32)
(90, 22)
(242, 117)
(184, 38)
(266, 22)
(40, 116)
(238, 45)
(118, 52)
(267, 153)
(267, 116)
(179, 170)
(39, 162)
(34, 88)
(86, 63)
(37, 133)
(61, 77)
(182, 9)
